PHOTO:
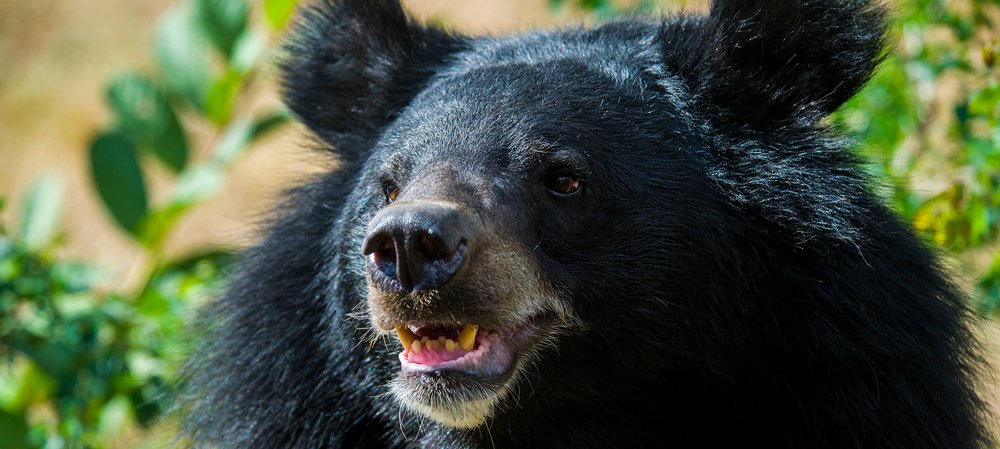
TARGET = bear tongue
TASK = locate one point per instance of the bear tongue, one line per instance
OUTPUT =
(432, 352)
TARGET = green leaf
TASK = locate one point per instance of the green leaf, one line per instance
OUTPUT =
(233, 142)
(171, 147)
(269, 123)
(144, 114)
(249, 47)
(181, 55)
(223, 21)
(14, 428)
(222, 96)
(140, 109)
(42, 211)
(195, 185)
(279, 12)
(119, 179)
(116, 415)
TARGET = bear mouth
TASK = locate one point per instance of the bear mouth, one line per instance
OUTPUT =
(473, 350)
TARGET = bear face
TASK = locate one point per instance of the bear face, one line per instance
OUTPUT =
(586, 238)
(526, 216)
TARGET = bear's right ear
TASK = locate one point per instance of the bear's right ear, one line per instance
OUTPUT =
(352, 65)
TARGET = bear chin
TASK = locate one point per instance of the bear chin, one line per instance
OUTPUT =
(451, 399)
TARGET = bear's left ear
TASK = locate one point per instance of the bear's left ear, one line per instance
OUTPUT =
(352, 65)
(767, 61)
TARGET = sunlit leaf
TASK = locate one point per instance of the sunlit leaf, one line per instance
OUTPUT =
(42, 212)
(197, 184)
(234, 141)
(222, 96)
(119, 179)
(181, 55)
(250, 45)
(116, 415)
(279, 12)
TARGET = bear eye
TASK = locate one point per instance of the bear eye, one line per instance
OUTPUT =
(391, 192)
(563, 184)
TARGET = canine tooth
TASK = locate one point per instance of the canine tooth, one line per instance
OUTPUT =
(416, 347)
(467, 338)
(405, 336)
(450, 345)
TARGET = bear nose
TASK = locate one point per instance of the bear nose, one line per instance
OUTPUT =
(415, 246)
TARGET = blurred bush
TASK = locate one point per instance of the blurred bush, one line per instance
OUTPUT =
(83, 365)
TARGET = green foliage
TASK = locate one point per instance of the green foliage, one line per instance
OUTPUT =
(930, 119)
(82, 363)
(208, 59)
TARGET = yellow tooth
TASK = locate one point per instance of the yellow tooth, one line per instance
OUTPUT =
(467, 338)
(441, 340)
(405, 336)
(450, 345)
(433, 344)
(416, 347)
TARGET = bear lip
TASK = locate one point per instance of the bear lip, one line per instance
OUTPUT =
(493, 355)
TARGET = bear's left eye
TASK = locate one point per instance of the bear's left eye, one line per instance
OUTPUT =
(391, 192)
(563, 184)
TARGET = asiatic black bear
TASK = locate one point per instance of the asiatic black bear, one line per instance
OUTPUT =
(638, 235)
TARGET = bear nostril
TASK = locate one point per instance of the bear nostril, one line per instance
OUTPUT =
(384, 253)
(428, 247)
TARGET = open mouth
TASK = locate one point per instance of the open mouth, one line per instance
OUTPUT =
(474, 350)
(457, 372)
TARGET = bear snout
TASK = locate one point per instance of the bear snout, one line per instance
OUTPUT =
(417, 246)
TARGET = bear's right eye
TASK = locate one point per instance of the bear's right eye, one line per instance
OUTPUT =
(391, 192)
(562, 184)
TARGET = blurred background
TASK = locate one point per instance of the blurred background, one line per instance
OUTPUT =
(141, 143)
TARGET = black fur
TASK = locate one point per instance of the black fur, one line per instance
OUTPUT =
(736, 281)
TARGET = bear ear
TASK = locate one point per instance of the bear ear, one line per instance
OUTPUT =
(352, 65)
(767, 60)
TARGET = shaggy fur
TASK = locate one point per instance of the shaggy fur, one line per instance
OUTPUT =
(727, 278)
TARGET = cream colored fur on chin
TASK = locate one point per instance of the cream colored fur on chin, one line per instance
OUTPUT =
(457, 413)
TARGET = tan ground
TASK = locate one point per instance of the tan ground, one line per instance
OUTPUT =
(56, 56)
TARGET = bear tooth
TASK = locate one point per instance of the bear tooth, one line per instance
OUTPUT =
(405, 336)
(416, 347)
(467, 338)
(450, 345)
(433, 344)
